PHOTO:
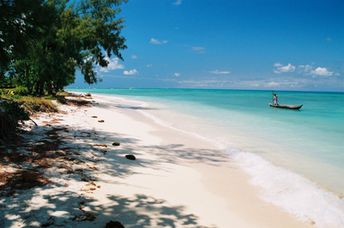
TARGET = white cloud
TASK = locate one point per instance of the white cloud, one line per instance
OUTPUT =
(130, 72)
(322, 71)
(157, 41)
(220, 72)
(198, 49)
(178, 2)
(113, 65)
(279, 68)
(134, 57)
(176, 74)
(316, 71)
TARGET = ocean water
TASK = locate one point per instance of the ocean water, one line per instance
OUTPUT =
(296, 158)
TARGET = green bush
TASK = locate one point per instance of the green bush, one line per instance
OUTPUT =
(17, 91)
(37, 104)
(21, 91)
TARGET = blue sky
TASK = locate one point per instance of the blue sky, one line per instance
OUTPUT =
(241, 44)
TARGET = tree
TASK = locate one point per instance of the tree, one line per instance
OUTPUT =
(67, 36)
(20, 21)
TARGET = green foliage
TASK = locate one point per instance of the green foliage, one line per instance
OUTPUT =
(17, 91)
(45, 41)
(20, 21)
(20, 90)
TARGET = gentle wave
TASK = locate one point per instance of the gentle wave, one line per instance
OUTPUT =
(290, 191)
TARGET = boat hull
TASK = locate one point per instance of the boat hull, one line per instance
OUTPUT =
(286, 106)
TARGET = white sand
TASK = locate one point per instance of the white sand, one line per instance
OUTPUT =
(177, 180)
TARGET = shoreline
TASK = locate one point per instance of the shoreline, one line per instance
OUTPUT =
(177, 179)
(296, 194)
(210, 159)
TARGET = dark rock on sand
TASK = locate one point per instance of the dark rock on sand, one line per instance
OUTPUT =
(94, 116)
(130, 157)
(101, 121)
(116, 144)
(113, 224)
(86, 216)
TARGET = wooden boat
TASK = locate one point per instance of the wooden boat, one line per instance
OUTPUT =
(286, 106)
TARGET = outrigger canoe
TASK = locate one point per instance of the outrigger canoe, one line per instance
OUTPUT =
(286, 106)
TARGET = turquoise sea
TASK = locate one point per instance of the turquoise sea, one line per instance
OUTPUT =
(316, 131)
(299, 154)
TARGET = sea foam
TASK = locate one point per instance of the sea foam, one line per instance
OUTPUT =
(290, 191)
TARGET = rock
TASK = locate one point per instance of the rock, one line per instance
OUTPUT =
(114, 224)
(130, 157)
(116, 144)
(94, 116)
(101, 121)
(87, 216)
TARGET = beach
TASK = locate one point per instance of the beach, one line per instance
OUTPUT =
(171, 114)
(177, 179)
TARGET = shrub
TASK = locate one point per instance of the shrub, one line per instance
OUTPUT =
(37, 104)
(17, 91)
(15, 108)
(21, 90)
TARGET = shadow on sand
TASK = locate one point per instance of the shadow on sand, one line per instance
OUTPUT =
(57, 155)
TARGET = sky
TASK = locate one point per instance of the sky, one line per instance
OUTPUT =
(235, 44)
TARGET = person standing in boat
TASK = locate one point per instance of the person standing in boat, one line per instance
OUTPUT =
(275, 99)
